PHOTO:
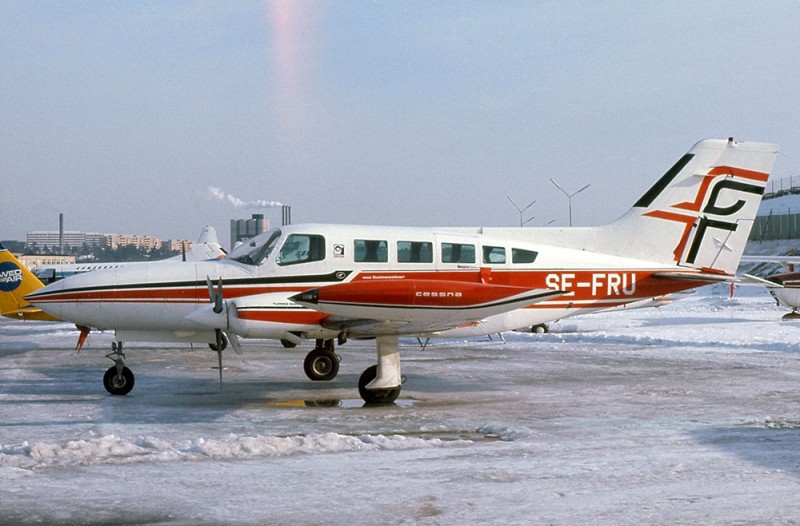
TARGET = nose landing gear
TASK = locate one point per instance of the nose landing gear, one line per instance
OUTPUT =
(118, 379)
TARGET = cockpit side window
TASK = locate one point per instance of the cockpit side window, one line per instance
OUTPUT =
(302, 248)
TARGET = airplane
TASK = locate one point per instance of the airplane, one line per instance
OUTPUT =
(334, 282)
(207, 247)
(783, 286)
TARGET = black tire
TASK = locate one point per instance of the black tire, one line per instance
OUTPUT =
(321, 365)
(288, 344)
(118, 384)
(375, 396)
(540, 329)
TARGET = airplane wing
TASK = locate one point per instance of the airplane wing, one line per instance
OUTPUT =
(406, 307)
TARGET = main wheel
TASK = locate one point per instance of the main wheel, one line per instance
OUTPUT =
(375, 396)
(321, 365)
(118, 384)
(540, 329)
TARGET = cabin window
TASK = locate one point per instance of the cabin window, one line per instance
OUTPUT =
(458, 253)
(414, 252)
(519, 255)
(494, 255)
(370, 251)
(302, 248)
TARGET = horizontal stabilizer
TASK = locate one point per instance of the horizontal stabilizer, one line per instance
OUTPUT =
(29, 314)
(705, 277)
(749, 279)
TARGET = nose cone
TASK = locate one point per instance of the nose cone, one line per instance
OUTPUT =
(206, 317)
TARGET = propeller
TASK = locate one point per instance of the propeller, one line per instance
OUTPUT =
(220, 306)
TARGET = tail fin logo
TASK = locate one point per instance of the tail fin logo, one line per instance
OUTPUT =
(716, 207)
(10, 276)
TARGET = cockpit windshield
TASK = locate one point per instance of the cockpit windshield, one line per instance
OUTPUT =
(256, 250)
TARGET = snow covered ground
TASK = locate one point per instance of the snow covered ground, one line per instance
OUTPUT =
(685, 414)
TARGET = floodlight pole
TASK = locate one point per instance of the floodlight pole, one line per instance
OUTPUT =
(569, 197)
(521, 210)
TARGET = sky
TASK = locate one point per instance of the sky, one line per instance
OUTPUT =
(159, 118)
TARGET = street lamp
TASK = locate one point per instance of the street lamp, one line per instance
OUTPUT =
(569, 197)
(521, 210)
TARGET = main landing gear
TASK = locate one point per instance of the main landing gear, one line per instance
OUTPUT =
(118, 379)
(540, 328)
(322, 364)
(379, 384)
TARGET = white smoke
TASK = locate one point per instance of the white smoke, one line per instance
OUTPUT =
(224, 197)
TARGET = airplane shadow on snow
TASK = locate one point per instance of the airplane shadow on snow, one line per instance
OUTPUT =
(773, 444)
(180, 398)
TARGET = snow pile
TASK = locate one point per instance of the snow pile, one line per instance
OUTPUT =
(113, 449)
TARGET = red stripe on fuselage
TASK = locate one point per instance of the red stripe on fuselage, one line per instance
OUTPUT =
(586, 286)
(300, 317)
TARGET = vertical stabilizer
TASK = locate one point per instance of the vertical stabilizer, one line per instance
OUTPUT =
(16, 281)
(700, 212)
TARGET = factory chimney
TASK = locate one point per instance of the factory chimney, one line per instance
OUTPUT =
(61, 233)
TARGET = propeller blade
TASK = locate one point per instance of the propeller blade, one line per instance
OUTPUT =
(218, 297)
(234, 339)
(218, 334)
(211, 295)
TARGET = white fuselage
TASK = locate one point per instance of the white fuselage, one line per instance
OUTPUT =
(152, 301)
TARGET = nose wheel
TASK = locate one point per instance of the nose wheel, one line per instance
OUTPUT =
(118, 383)
(118, 379)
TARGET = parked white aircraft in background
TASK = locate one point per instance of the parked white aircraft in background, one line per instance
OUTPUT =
(207, 247)
(783, 286)
(328, 282)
